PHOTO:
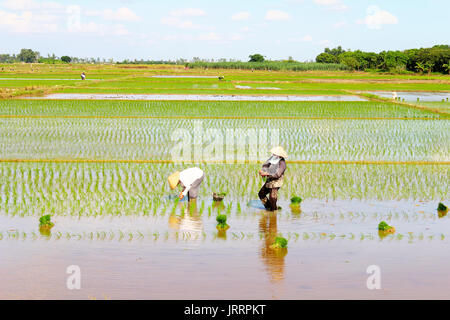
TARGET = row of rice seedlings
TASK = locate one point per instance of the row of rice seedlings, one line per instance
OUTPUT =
(362, 217)
(210, 108)
(97, 189)
(122, 235)
(152, 139)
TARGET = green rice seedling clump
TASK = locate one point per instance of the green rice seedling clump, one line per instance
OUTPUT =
(280, 243)
(383, 226)
(442, 207)
(45, 221)
(296, 200)
(222, 222)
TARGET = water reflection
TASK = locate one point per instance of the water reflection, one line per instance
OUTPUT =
(189, 221)
(442, 213)
(272, 258)
(45, 231)
(296, 210)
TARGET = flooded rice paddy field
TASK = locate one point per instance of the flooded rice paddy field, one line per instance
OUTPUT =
(414, 96)
(160, 139)
(214, 109)
(132, 239)
(116, 218)
(198, 97)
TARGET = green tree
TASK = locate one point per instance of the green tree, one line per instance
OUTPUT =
(335, 51)
(388, 60)
(326, 58)
(66, 59)
(446, 67)
(256, 58)
(429, 66)
(420, 67)
(28, 55)
(350, 61)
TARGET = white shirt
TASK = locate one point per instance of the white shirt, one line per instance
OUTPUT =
(188, 177)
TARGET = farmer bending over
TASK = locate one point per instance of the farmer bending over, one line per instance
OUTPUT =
(273, 170)
(83, 76)
(189, 179)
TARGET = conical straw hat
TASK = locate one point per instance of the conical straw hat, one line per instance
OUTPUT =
(279, 151)
(174, 178)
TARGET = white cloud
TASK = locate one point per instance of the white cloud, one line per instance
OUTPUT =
(332, 4)
(178, 23)
(176, 18)
(376, 17)
(99, 29)
(32, 17)
(31, 5)
(26, 22)
(240, 16)
(189, 12)
(121, 14)
(277, 15)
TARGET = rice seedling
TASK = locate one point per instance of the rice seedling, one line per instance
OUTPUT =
(384, 229)
(219, 196)
(279, 243)
(67, 109)
(222, 222)
(442, 207)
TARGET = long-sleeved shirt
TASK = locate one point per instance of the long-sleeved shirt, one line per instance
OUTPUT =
(278, 173)
(188, 177)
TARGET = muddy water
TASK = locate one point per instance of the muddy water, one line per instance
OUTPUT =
(189, 259)
(413, 96)
(194, 97)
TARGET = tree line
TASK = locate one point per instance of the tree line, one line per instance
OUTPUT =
(423, 60)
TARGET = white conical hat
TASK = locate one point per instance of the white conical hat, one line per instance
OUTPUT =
(279, 151)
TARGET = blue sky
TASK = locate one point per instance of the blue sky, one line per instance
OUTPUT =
(172, 29)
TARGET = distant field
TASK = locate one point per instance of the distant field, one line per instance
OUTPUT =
(19, 79)
(443, 106)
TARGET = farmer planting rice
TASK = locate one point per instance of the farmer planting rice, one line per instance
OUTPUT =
(83, 76)
(273, 170)
(189, 179)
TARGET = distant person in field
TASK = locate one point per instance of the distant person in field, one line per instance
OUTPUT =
(273, 171)
(189, 179)
(83, 76)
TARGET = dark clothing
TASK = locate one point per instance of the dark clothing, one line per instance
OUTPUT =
(273, 182)
(271, 203)
(276, 172)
